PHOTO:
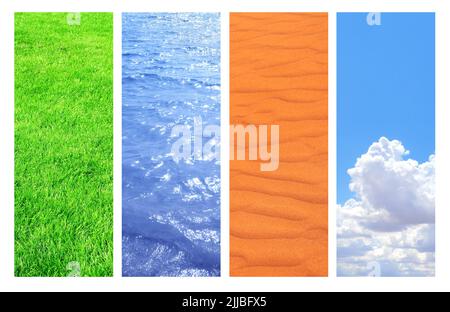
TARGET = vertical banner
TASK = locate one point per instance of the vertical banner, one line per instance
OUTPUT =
(386, 144)
(63, 144)
(279, 144)
(171, 151)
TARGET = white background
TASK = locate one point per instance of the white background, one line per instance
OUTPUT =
(9, 283)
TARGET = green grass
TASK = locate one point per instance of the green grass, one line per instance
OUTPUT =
(63, 144)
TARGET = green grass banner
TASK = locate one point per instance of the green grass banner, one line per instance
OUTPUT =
(63, 144)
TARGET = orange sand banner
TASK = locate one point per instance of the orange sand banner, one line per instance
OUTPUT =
(279, 76)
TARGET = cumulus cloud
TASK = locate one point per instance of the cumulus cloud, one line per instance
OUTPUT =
(391, 219)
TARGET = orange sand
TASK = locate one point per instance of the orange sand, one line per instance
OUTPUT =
(279, 75)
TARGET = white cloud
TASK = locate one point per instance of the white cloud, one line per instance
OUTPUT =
(391, 219)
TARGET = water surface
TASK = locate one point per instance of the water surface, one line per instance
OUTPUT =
(171, 210)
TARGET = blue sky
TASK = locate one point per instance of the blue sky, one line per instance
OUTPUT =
(386, 87)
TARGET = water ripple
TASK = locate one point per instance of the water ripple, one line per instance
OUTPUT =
(171, 210)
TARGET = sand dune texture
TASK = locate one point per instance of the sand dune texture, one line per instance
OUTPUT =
(279, 75)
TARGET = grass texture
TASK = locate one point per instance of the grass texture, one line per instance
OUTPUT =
(63, 144)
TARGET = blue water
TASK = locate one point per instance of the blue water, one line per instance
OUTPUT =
(171, 210)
